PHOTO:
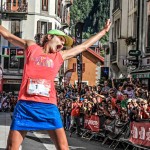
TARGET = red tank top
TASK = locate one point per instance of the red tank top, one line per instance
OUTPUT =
(39, 65)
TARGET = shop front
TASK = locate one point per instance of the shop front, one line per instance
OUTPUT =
(10, 85)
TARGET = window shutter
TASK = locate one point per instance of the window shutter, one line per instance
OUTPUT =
(38, 26)
(49, 26)
(13, 30)
(17, 33)
(83, 67)
(74, 67)
(17, 26)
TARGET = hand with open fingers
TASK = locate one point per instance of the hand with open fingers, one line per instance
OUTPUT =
(107, 25)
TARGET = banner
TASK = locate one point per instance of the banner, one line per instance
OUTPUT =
(78, 39)
(92, 123)
(20, 52)
(67, 77)
(140, 133)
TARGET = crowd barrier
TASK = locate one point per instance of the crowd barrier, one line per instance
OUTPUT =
(135, 134)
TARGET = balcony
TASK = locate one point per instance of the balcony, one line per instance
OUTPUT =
(116, 5)
(113, 56)
(68, 2)
(10, 10)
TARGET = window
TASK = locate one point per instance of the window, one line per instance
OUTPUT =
(148, 61)
(21, 64)
(14, 2)
(49, 26)
(117, 29)
(135, 3)
(15, 27)
(6, 62)
(58, 7)
(116, 5)
(45, 5)
(43, 27)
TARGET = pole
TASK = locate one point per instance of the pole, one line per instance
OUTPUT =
(78, 37)
(137, 30)
(1, 19)
(138, 25)
(1, 12)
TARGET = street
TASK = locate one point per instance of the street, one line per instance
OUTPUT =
(41, 141)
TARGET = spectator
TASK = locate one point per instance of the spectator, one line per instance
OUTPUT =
(105, 89)
(75, 116)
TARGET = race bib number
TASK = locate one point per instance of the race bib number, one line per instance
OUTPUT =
(40, 87)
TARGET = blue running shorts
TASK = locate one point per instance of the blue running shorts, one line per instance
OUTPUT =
(29, 115)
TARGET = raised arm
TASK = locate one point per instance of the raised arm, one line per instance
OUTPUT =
(14, 39)
(82, 47)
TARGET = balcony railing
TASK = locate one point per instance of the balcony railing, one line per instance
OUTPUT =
(15, 7)
(113, 56)
(116, 5)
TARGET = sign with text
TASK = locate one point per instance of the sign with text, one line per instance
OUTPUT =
(133, 62)
(134, 53)
(92, 123)
(140, 133)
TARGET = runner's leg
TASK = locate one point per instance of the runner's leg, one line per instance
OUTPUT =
(15, 139)
(59, 138)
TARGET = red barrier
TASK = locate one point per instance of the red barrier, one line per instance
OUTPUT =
(140, 133)
(92, 123)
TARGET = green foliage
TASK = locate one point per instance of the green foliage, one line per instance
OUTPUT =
(93, 13)
(80, 10)
(102, 53)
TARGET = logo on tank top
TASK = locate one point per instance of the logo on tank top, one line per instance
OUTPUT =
(43, 61)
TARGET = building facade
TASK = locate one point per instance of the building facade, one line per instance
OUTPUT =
(25, 19)
(130, 39)
(91, 69)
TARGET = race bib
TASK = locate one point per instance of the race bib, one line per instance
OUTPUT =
(40, 87)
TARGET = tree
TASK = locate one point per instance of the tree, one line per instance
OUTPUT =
(93, 13)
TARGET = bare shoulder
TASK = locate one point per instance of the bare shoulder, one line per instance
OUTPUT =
(62, 53)
(30, 42)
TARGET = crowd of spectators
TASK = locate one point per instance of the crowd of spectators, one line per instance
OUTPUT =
(125, 101)
(111, 101)
(7, 101)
